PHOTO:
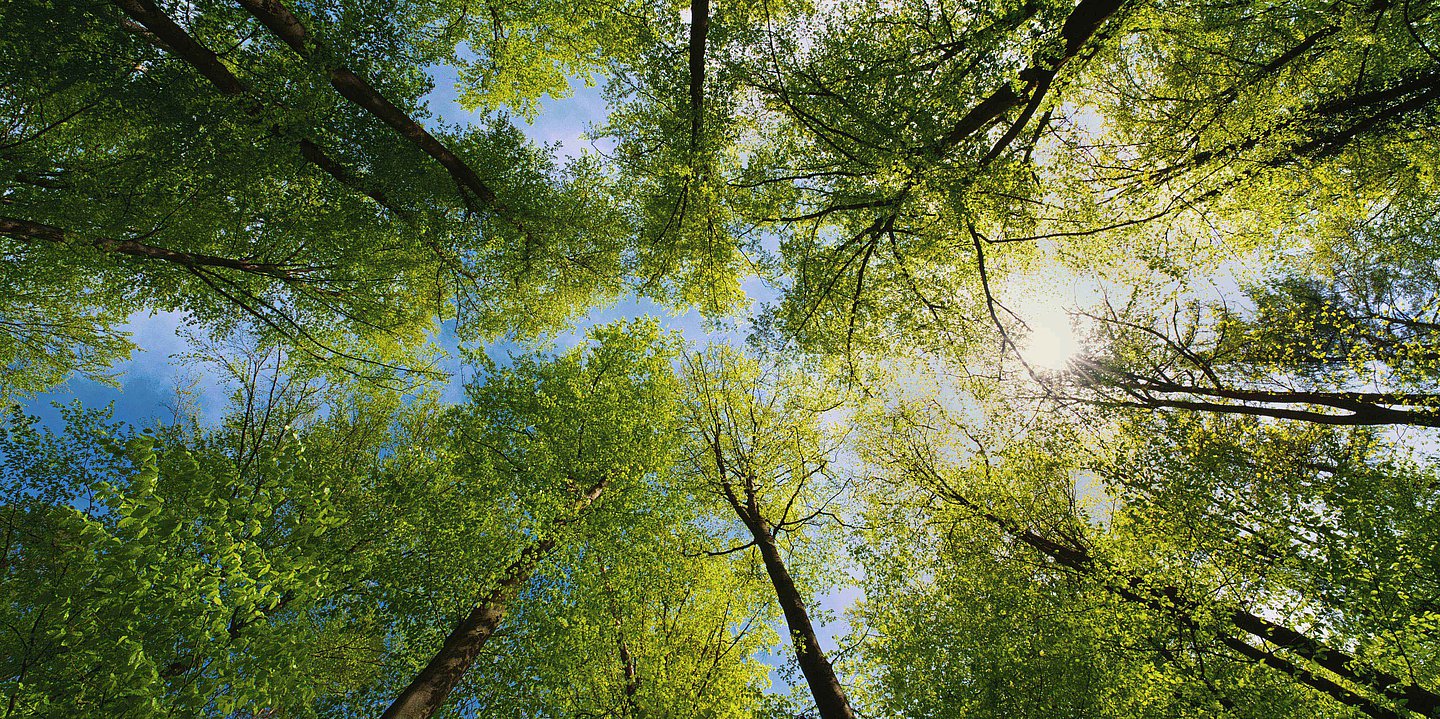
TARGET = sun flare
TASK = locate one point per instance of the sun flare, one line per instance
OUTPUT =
(1052, 342)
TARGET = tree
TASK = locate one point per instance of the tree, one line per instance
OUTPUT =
(218, 570)
(195, 162)
(154, 571)
(557, 439)
(1341, 334)
(756, 444)
(1212, 600)
(1225, 505)
(1320, 522)
(634, 625)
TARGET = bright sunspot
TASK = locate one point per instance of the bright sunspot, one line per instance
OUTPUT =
(1052, 341)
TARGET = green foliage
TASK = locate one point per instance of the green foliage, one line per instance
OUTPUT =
(150, 573)
(1225, 506)
(1332, 527)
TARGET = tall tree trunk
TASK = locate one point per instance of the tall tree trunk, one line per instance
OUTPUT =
(1359, 408)
(36, 231)
(430, 688)
(428, 691)
(699, 30)
(1084, 21)
(829, 696)
(825, 687)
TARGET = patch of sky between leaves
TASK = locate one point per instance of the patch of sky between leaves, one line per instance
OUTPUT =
(149, 384)
(156, 380)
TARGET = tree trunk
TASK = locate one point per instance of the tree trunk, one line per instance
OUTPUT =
(829, 696)
(173, 39)
(1084, 21)
(428, 691)
(699, 30)
(430, 688)
(36, 231)
(1170, 601)
(285, 25)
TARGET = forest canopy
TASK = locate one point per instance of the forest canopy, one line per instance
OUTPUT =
(1053, 359)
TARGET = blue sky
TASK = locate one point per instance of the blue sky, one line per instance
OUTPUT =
(149, 378)
(148, 381)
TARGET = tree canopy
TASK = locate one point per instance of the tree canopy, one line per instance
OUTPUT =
(1095, 369)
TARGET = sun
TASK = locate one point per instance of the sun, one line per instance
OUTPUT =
(1052, 342)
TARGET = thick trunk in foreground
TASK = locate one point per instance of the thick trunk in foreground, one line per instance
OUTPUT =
(829, 696)
(428, 691)
(432, 686)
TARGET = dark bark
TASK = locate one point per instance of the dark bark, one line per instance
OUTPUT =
(829, 695)
(180, 43)
(1083, 23)
(36, 231)
(427, 692)
(285, 25)
(173, 39)
(1359, 408)
(699, 30)
(1326, 128)
(1341, 663)
(1368, 417)
(825, 687)
(1170, 601)
(627, 660)
(989, 110)
(1319, 683)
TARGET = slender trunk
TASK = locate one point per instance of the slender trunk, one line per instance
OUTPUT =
(825, 687)
(172, 38)
(1409, 96)
(1335, 691)
(1341, 663)
(1170, 601)
(1358, 416)
(36, 231)
(829, 696)
(1362, 408)
(627, 660)
(1084, 21)
(428, 691)
(285, 25)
